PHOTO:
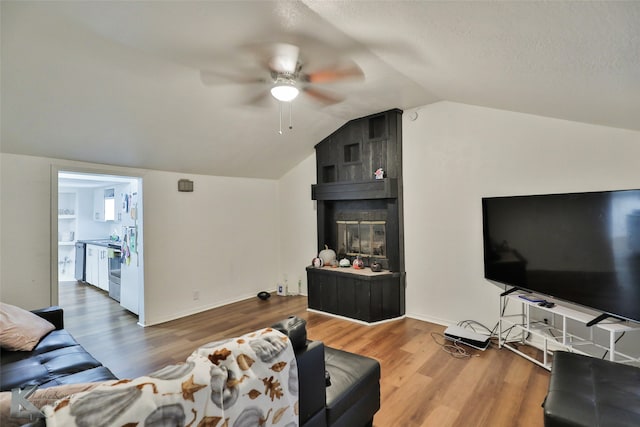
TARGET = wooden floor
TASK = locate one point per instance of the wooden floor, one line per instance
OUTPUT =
(421, 385)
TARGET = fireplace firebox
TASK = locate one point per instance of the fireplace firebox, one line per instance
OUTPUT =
(362, 238)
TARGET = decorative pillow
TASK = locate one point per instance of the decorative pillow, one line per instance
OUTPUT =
(20, 329)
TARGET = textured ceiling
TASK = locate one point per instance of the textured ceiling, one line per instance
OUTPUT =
(118, 82)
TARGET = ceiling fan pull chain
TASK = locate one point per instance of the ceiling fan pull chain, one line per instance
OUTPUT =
(280, 114)
(290, 114)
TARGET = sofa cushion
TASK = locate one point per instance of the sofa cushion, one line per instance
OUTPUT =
(55, 340)
(585, 391)
(21, 330)
(57, 359)
(354, 394)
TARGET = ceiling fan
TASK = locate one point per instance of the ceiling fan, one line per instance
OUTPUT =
(285, 76)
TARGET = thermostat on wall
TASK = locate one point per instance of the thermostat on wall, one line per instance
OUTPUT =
(185, 185)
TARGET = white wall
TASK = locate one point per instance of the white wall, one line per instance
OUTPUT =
(453, 155)
(25, 236)
(220, 240)
(297, 223)
(233, 237)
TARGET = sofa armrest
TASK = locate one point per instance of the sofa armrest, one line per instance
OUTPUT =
(296, 329)
(311, 380)
(53, 314)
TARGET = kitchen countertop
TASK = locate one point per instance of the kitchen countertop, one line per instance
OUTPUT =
(107, 243)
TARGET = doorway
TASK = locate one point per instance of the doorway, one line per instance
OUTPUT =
(98, 226)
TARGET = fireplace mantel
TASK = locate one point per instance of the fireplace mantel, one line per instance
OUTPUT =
(386, 188)
(361, 273)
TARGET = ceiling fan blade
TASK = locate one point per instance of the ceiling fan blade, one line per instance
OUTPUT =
(213, 78)
(329, 75)
(262, 100)
(323, 96)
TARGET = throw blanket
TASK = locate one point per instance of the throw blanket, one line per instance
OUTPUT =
(241, 382)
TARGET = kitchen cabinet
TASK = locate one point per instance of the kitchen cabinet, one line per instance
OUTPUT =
(104, 204)
(98, 205)
(103, 269)
(97, 266)
(91, 264)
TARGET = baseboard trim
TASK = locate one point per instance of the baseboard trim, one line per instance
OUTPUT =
(360, 322)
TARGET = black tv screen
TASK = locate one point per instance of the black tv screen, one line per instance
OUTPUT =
(582, 248)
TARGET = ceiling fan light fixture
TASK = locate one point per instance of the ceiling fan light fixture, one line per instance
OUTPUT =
(284, 91)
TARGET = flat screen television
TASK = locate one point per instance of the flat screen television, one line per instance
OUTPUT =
(582, 248)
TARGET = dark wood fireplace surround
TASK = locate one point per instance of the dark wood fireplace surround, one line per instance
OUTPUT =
(346, 162)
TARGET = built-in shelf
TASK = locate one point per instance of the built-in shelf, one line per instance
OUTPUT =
(386, 188)
(67, 226)
(357, 294)
(363, 272)
(359, 215)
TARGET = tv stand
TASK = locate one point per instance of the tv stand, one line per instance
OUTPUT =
(517, 327)
(602, 317)
(512, 290)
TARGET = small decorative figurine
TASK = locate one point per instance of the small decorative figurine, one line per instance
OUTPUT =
(379, 173)
(376, 266)
(327, 255)
(358, 263)
(317, 262)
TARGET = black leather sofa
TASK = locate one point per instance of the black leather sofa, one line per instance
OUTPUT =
(58, 359)
(336, 388)
(589, 392)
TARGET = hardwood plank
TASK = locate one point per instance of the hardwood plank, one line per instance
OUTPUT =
(421, 385)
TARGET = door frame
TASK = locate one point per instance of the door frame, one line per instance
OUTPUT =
(119, 172)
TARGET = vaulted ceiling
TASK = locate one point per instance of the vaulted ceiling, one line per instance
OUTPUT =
(119, 82)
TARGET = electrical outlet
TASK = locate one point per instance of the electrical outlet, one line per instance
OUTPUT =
(196, 295)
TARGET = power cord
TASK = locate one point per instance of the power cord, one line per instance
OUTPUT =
(471, 323)
(451, 347)
(493, 332)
